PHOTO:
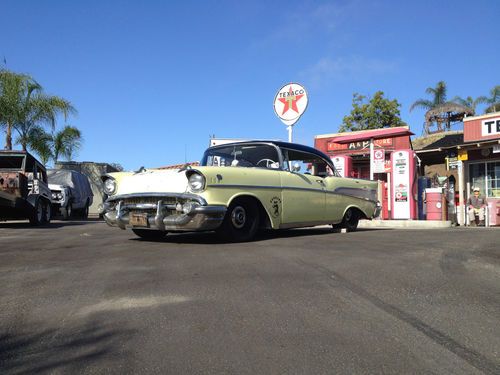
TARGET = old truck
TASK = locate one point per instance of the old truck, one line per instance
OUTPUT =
(24, 192)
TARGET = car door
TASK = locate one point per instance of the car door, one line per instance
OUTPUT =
(303, 194)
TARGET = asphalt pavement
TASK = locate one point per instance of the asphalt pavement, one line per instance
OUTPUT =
(81, 297)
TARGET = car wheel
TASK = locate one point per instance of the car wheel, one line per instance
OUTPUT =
(241, 222)
(351, 220)
(67, 211)
(148, 234)
(85, 211)
(37, 214)
(47, 212)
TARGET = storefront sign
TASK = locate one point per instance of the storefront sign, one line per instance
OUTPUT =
(452, 163)
(490, 127)
(463, 155)
(361, 145)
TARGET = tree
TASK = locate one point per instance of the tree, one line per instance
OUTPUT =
(468, 102)
(37, 109)
(65, 142)
(24, 106)
(377, 112)
(13, 87)
(438, 97)
(493, 101)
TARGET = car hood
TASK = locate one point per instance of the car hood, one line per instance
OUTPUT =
(152, 181)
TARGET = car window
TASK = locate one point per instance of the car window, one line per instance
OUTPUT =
(11, 162)
(306, 163)
(242, 155)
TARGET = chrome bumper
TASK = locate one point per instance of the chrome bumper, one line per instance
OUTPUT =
(194, 217)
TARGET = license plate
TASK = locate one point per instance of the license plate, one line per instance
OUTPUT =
(138, 219)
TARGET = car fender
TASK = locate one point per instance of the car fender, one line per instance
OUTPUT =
(273, 220)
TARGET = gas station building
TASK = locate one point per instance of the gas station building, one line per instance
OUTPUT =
(385, 155)
(429, 179)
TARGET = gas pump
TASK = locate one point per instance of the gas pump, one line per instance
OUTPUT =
(404, 184)
(343, 164)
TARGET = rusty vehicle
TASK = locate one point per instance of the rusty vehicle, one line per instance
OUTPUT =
(24, 192)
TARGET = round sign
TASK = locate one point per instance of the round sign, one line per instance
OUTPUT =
(290, 103)
(379, 155)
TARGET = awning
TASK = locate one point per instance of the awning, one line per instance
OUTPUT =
(372, 134)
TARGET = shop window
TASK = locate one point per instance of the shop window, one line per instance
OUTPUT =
(486, 176)
(493, 173)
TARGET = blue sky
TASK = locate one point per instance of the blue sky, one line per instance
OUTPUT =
(152, 80)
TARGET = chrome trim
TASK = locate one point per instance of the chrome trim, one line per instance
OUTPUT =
(186, 196)
(200, 217)
(264, 187)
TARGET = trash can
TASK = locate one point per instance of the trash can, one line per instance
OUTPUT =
(434, 199)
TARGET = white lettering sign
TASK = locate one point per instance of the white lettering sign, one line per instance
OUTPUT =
(490, 127)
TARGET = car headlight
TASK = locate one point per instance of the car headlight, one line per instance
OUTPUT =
(196, 182)
(110, 186)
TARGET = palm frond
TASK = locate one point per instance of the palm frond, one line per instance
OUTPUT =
(422, 103)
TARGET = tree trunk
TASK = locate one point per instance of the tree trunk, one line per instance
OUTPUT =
(8, 137)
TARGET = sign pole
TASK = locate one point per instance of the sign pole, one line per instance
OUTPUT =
(290, 129)
(372, 157)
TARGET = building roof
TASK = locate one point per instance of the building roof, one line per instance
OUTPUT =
(438, 140)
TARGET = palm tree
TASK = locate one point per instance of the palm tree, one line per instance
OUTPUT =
(65, 142)
(24, 105)
(438, 97)
(468, 102)
(38, 141)
(38, 108)
(493, 101)
(13, 87)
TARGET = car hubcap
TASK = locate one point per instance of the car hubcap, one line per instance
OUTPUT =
(348, 216)
(238, 217)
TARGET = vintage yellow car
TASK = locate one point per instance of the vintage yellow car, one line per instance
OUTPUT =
(238, 189)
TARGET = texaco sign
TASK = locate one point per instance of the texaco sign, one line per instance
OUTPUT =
(290, 103)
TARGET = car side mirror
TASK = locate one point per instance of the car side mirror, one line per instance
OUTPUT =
(296, 167)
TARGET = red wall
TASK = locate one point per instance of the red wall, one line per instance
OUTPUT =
(473, 127)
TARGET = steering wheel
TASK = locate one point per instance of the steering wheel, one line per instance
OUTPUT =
(268, 162)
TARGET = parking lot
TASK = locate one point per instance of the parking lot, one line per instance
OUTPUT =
(84, 297)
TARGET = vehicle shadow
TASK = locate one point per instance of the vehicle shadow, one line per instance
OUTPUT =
(52, 224)
(67, 350)
(208, 238)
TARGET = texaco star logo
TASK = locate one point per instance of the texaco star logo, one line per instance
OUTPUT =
(290, 103)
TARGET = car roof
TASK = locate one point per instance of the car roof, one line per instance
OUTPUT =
(281, 144)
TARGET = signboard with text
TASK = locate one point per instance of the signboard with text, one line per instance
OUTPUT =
(360, 145)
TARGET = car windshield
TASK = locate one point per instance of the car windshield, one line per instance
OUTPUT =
(11, 161)
(242, 155)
